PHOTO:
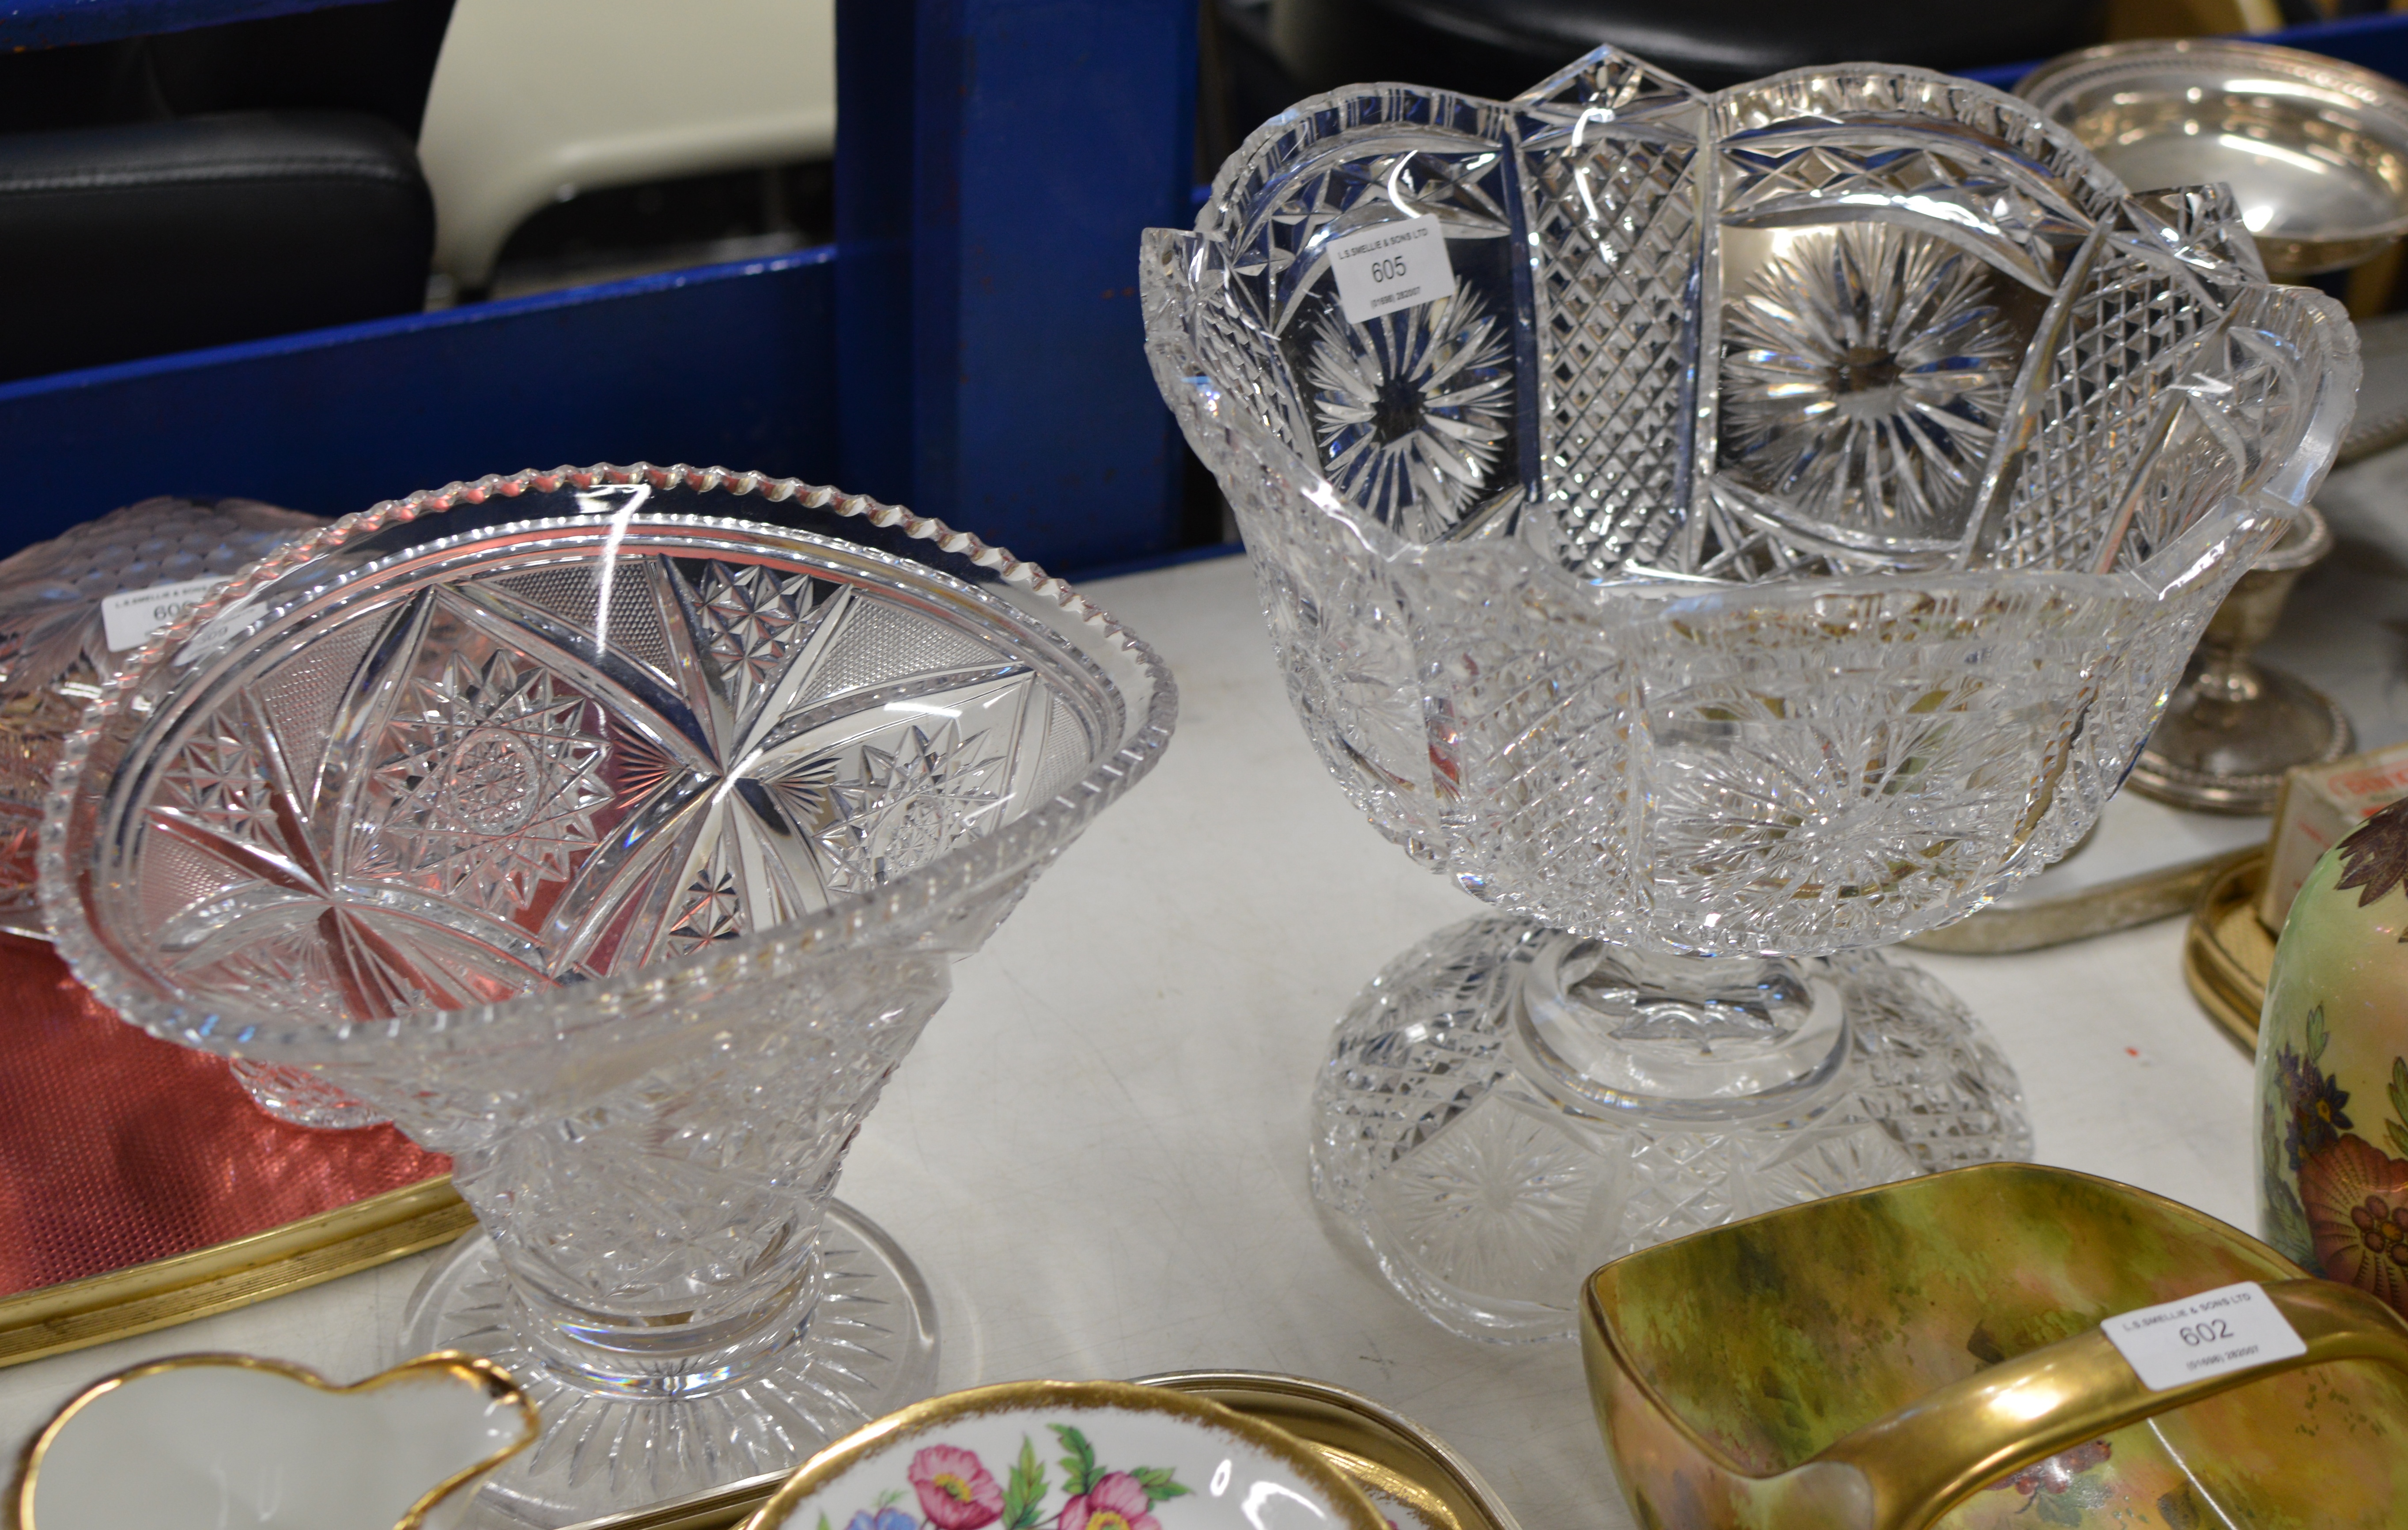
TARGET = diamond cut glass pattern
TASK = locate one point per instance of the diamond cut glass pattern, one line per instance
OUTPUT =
(620, 853)
(491, 776)
(1866, 460)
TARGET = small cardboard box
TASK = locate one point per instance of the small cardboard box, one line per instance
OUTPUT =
(2319, 804)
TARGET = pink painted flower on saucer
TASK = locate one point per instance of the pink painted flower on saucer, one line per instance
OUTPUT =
(1117, 1502)
(956, 1491)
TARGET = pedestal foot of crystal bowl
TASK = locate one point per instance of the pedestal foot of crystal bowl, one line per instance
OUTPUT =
(1508, 1106)
(869, 1348)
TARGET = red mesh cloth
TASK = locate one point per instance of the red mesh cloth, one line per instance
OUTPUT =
(116, 1148)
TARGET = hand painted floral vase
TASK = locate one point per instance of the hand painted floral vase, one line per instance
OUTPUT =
(2332, 1067)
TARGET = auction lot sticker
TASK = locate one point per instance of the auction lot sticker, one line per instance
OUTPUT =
(1392, 267)
(129, 617)
(2232, 1328)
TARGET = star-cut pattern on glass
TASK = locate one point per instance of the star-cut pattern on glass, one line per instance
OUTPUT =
(756, 798)
(217, 780)
(711, 908)
(1411, 410)
(1780, 801)
(493, 781)
(1799, 812)
(281, 917)
(1864, 379)
(910, 804)
(535, 802)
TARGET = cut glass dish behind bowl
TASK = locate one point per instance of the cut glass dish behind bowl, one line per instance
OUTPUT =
(1764, 530)
(71, 610)
(619, 850)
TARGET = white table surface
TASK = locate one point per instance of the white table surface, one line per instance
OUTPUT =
(1097, 1153)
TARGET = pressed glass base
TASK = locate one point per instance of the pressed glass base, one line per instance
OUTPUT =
(869, 1348)
(1507, 1107)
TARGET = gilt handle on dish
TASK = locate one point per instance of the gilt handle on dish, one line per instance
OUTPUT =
(1925, 1459)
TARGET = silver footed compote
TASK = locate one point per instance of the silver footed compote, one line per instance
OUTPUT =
(619, 850)
(1726, 534)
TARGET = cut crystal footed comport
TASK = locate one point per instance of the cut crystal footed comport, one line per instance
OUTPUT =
(1726, 534)
(619, 850)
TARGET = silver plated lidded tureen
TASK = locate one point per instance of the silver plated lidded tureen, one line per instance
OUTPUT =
(1726, 534)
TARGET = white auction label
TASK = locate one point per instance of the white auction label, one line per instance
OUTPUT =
(129, 617)
(1392, 267)
(2232, 1328)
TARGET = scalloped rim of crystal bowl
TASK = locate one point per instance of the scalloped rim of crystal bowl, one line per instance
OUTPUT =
(1211, 398)
(1028, 837)
(2095, 178)
(1253, 163)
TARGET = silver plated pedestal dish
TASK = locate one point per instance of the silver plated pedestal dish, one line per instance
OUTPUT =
(1726, 534)
(2233, 727)
(619, 848)
(2315, 151)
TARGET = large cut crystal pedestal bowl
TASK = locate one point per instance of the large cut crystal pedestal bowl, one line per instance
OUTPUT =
(619, 850)
(1728, 534)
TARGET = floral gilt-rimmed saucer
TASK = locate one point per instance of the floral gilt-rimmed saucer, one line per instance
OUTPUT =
(1067, 1456)
(249, 1444)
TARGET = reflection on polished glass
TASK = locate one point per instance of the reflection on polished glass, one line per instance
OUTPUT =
(1863, 463)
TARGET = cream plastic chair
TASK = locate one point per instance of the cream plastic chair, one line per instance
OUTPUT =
(536, 100)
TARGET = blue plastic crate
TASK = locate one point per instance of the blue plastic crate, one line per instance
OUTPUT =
(55, 23)
(732, 364)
